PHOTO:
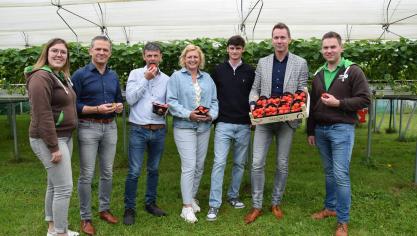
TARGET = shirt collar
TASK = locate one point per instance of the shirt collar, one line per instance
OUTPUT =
(184, 70)
(92, 67)
(341, 63)
(237, 65)
(283, 61)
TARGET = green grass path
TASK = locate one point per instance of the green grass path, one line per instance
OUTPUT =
(384, 198)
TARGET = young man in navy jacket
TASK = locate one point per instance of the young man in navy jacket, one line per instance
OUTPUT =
(233, 79)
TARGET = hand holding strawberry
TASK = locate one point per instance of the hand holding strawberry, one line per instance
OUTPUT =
(159, 109)
(118, 107)
(202, 110)
(152, 70)
(325, 95)
(194, 116)
(329, 100)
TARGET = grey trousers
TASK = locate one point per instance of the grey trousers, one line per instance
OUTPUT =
(262, 140)
(96, 140)
(59, 189)
(192, 147)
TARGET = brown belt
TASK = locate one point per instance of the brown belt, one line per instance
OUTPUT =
(153, 126)
(97, 120)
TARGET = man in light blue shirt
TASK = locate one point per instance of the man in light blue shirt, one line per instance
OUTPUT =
(145, 87)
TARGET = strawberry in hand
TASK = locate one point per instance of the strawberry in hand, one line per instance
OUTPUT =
(202, 110)
(329, 100)
(325, 95)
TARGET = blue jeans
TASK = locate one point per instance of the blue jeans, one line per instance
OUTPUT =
(335, 143)
(141, 140)
(225, 133)
(96, 140)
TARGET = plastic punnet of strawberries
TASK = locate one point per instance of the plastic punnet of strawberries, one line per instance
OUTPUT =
(202, 110)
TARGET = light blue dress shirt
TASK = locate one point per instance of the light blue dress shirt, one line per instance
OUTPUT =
(140, 93)
(181, 99)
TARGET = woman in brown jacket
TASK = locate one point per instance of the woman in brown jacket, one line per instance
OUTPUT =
(53, 118)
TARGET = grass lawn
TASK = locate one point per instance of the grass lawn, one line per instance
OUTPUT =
(384, 198)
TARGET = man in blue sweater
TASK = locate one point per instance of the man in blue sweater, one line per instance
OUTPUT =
(233, 80)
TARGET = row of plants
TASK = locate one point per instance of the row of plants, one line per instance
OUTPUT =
(387, 62)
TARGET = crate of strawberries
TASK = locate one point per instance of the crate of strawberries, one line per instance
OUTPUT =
(283, 108)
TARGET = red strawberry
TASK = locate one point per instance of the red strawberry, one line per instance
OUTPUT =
(151, 66)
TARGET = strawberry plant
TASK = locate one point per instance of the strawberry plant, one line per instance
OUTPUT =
(384, 62)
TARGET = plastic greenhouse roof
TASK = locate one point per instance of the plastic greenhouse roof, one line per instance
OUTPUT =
(33, 22)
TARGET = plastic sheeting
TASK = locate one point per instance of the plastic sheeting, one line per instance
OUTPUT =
(33, 22)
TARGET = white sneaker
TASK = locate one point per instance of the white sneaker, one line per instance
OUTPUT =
(69, 232)
(194, 204)
(236, 203)
(212, 213)
(72, 233)
(188, 215)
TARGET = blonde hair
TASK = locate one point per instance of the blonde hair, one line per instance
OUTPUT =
(192, 47)
(43, 58)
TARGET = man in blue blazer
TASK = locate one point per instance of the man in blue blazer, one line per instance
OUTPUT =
(275, 74)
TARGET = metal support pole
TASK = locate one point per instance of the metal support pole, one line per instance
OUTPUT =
(371, 117)
(394, 114)
(382, 118)
(9, 117)
(401, 120)
(391, 111)
(14, 130)
(415, 174)
(124, 131)
(375, 105)
(409, 121)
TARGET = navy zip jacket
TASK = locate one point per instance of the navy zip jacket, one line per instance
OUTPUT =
(233, 89)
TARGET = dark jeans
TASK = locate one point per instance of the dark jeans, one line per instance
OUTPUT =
(140, 140)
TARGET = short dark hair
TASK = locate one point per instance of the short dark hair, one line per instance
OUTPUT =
(332, 34)
(152, 46)
(236, 40)
(102, 38)
(281, 25)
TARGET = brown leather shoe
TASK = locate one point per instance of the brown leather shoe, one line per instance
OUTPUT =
(108, 216)
(87, 227)
(277, 212)
(323, 214)
(252, 215)
(341, 229)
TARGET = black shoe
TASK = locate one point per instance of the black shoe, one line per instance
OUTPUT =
(129, 216)
(154, 210)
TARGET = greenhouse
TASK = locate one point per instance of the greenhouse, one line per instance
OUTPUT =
(379, 37)
(33, 22)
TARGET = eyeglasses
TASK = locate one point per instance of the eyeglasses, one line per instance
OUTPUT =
(58, 51)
